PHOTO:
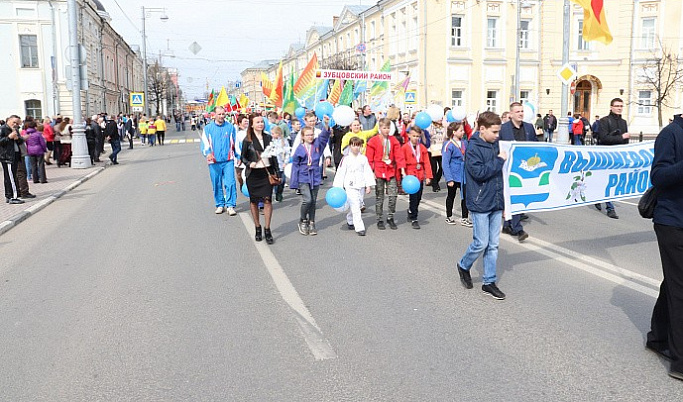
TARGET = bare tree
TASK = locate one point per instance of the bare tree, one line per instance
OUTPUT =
(662, 74)
(158, 84)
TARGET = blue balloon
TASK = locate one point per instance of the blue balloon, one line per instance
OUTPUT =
(449, 116)
(410, 184)
(300, 113)
(245, 190)
(336, 197)
(323, 109)
(423, 120)
(332, 123)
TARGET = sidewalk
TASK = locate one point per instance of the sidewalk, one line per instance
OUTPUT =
(59, 182)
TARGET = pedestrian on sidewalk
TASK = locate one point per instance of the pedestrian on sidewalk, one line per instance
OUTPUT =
(91, 139)
(49, 135)
(36, 147)
(484, 177)
(666, 334)
(218, 147)
(111, 133)
(64, 134)
(10, 156)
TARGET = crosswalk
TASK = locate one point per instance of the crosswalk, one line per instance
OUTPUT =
(183, 141)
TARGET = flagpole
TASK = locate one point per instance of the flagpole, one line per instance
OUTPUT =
(563, 121)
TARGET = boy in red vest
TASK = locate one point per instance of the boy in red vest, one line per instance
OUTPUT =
(417, 163)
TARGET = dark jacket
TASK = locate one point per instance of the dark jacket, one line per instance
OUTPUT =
(111, 131)
(550, 123)
(90, 133)
(7, 145)
(667, 174)
(251, 150)
(507, 132)
(612, 127)
(484, 176)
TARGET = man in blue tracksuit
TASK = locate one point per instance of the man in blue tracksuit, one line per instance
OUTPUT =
(218, 146)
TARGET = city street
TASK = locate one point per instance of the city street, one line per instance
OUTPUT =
(130, 288)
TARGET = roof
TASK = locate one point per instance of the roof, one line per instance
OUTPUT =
(357, 9)
(98, 5)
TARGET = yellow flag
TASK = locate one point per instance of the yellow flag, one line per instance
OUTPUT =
(222, 98)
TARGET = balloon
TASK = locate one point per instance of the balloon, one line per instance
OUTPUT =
(245, 190)
(335, 197)
(459, 113)
(449, 116)
(343, 208)
(410, 184)
(288, 170)
(332, 122)
(343, 115)
(323, 109)
(423, 120)
(435, 112)
(300, 113)
(529, 112)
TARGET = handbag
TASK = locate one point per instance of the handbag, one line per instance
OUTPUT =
(647, 203)
(273, 179)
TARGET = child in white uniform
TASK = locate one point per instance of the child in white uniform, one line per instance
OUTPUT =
(357, 178)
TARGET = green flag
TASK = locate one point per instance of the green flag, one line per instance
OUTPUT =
(290, 104)
(380, 87)
(211, 105)
(346, 96)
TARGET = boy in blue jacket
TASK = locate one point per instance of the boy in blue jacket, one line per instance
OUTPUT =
(484, 197)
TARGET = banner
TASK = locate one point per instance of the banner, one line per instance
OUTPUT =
(354, 75)
(546, 177)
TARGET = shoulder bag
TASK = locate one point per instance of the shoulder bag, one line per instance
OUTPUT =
(647, 203)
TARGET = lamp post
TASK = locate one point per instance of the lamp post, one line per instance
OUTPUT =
(79, 157)
(163, 18)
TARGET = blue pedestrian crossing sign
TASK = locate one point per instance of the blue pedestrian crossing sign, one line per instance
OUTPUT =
(410, 98)
(137, 99)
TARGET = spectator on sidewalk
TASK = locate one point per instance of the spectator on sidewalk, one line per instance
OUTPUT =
(9, 157)
(111, 133)
(36, 147)
(49, 135)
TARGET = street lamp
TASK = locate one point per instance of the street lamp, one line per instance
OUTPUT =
(79, 156)
(163, 18)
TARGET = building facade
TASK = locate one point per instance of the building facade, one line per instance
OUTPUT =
(464, 53)
(35, 74)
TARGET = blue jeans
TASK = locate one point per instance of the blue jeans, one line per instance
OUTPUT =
(548, 136)
(223, 182)
(115, 149)
(310, 195)
(486, 233)
(577, 139)
(177, 126)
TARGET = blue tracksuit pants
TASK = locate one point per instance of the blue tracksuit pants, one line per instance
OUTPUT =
(223, 181)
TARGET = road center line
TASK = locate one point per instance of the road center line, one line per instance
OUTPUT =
(602, 269)
(319, 346)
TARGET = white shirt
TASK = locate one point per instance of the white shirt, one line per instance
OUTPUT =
(354, 172)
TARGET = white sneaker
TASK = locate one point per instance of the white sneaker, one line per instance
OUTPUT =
(219, 210)
(231, 211)
(450, 221)
(466, 222)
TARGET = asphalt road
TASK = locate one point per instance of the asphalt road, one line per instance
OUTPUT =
(130, 288)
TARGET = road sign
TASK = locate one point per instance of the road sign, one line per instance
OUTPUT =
(361, 47)
(195, 48)
(410, 98)
(572, 88)
(238, 84)
(566, 73)
(137, 99)
(136, 109)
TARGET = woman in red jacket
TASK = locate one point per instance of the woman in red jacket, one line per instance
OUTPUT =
(49, 135)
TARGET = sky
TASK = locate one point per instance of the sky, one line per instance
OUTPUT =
(233, 34)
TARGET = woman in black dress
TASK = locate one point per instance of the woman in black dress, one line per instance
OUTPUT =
(256, 156)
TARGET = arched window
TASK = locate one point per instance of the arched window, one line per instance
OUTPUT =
(33, 108)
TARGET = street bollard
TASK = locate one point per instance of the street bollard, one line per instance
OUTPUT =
(640, 137)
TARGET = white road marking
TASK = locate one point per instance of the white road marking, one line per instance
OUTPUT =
(319, 346)
(181, 141)
(602, 269)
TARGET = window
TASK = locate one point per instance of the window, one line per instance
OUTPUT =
(581, 44)
(456, 30)
(491, 101)
(524, 34)
(644, 102)
(647, 35)
(456, 98)
(33, 108)
(491, 33)
(29, 51)
(523, 96)
(414, 35)
(373, 32)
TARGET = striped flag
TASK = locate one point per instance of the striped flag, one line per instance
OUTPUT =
(594, 21)
(335, 93)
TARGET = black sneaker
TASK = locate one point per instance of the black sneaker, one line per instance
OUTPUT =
(507, 230)
(415, 225)
(523, 217)
(380, 225)
(392, 224)
(492, 290)
(522, 235)
(350, 227)
(361, 233)
(16, 201)
(465, 277)
(28, 195)
(612, 214)
(598, 207)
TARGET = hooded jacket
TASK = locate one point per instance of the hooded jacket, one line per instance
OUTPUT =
(484, 176)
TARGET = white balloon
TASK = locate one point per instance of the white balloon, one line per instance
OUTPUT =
(343, 115)
(459, 113)
(288, 170)
(435, 112)
(529, 112)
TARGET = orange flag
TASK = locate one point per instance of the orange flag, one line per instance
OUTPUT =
(594, 21)
(306, 80)
(335, 93)
(266, 85)
(276, 93)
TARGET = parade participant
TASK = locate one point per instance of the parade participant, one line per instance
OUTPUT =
(296, 128)
(417, 164)
(516, 129)
(282, 151)
(218, 147)
(613, 131)
(10, 139)
(242, 125)
(356, 177)
(367, 119)
(355, 131)
(306, 175)
(311, 120)
(142, 126)
(666, 330)
(436, 138)
(260, 164)
(453, 169)
(484, 177)
(385, 158)
(151, 132)
(161, 130)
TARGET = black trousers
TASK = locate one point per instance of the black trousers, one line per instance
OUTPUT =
(666, 328)
(450, 199)
(414, 203)
(437, 170)
(10, 171)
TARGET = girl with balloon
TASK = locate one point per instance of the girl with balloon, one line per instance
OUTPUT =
(417, 164)
(356, 177)
(306, 173)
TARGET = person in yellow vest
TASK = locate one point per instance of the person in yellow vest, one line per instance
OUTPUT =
(355, 131)
(142, 126)
(151, 133)
(161, 129)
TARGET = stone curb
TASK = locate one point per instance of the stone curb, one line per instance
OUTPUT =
(25, 214)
